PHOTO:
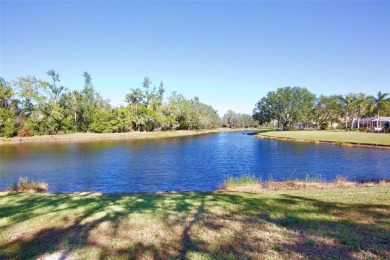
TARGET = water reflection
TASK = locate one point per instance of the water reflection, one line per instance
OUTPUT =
(186, 163)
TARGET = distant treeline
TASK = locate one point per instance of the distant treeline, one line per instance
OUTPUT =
(296, 105)
(30, 106)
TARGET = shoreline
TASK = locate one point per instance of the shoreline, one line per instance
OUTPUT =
(328, 142)
(87, 137)
(253, 186)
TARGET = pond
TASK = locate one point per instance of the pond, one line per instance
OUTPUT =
(180, 164)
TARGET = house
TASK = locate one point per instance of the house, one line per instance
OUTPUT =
(374, 123)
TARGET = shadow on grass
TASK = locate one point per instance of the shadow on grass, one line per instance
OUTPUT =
(186, 225)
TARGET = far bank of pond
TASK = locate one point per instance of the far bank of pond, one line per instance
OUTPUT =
(83, 137)
(200, 163)
(345, 138)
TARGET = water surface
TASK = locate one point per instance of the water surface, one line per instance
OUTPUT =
(184, 163)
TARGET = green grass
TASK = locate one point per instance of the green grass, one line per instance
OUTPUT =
(328, 223)
(333, 136)
(245, 179)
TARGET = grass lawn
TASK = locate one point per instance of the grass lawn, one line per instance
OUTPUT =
(350, 223)
(333, 136)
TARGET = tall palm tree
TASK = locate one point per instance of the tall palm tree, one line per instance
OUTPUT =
(380, 99)
(134, 97)
(347, 102)
(360, 105)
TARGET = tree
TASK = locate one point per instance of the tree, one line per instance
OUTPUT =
(203, 116)
(74, 105)
(360, 105)
(56, 90)
(134, 98)
(43, 108)
(152, 97)
(158, 101)
(334, 109)
(262, 111)
(233, 119)
(229, 118)
(347, 103)
(5, 93)
(104, 122)
(53, 111)
(180, 110)
(286, 105)
(8, 110)
(321, 110)
(380, 100)
(31, 92)
(88, 90)
(90, 103)
(148, 94)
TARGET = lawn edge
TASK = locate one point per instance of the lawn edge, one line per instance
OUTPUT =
(336, 143)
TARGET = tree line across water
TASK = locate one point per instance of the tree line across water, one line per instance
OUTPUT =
(30, 106)
(296, 105)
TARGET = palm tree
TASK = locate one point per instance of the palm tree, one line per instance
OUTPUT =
(134, 97)
(380, 99)
(347, 102)
(361, 102)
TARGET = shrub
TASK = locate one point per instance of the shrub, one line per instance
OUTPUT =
(24, 185)
(25, 132)
(324, 126)
(340, 180)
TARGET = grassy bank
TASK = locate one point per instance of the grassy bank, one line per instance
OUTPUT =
(251, 184)
(340, 223)
(335, 137)
(83, 137)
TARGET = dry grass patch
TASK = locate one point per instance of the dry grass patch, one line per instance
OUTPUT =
(252, 185)
(25, 185)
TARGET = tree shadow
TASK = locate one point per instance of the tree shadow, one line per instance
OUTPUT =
(346, 232)
(184, 225)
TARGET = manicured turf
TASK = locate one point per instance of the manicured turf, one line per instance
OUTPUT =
(330, 223)
(333, 136)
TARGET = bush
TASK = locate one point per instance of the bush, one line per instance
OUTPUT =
(8, 124)
(24, 185)
(340, 180)
(324, 126)
(365, 130)
(25, 132)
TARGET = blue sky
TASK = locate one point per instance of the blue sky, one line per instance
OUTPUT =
(228, 53)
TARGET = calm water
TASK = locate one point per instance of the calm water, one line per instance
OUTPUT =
(187, 163)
